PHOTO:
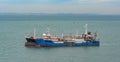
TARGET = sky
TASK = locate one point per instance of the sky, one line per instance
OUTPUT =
(61, 6)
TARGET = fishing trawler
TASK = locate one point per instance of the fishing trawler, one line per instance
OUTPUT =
(51, 40)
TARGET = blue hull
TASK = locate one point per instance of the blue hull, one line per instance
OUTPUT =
(49, 43)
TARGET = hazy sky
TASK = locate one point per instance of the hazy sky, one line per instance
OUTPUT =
(60, 6)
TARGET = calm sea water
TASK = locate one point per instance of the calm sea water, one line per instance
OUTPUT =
(12, 41)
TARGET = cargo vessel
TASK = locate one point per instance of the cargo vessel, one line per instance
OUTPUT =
(51, 40)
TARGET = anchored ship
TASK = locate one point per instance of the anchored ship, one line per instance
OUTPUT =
(51, 40)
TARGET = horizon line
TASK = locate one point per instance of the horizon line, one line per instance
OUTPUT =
(54, 14)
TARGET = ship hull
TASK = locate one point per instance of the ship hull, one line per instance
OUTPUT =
(50, 43)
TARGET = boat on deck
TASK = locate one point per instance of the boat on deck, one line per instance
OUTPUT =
(51, 40)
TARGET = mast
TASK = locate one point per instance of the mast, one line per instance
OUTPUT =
(34, 33)
(48, 31)
(95, 35)
(76, 32)
(62, 33)
(86, 28)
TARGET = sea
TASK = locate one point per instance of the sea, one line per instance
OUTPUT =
(14, 28)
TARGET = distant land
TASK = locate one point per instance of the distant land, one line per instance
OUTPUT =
(59, 16)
